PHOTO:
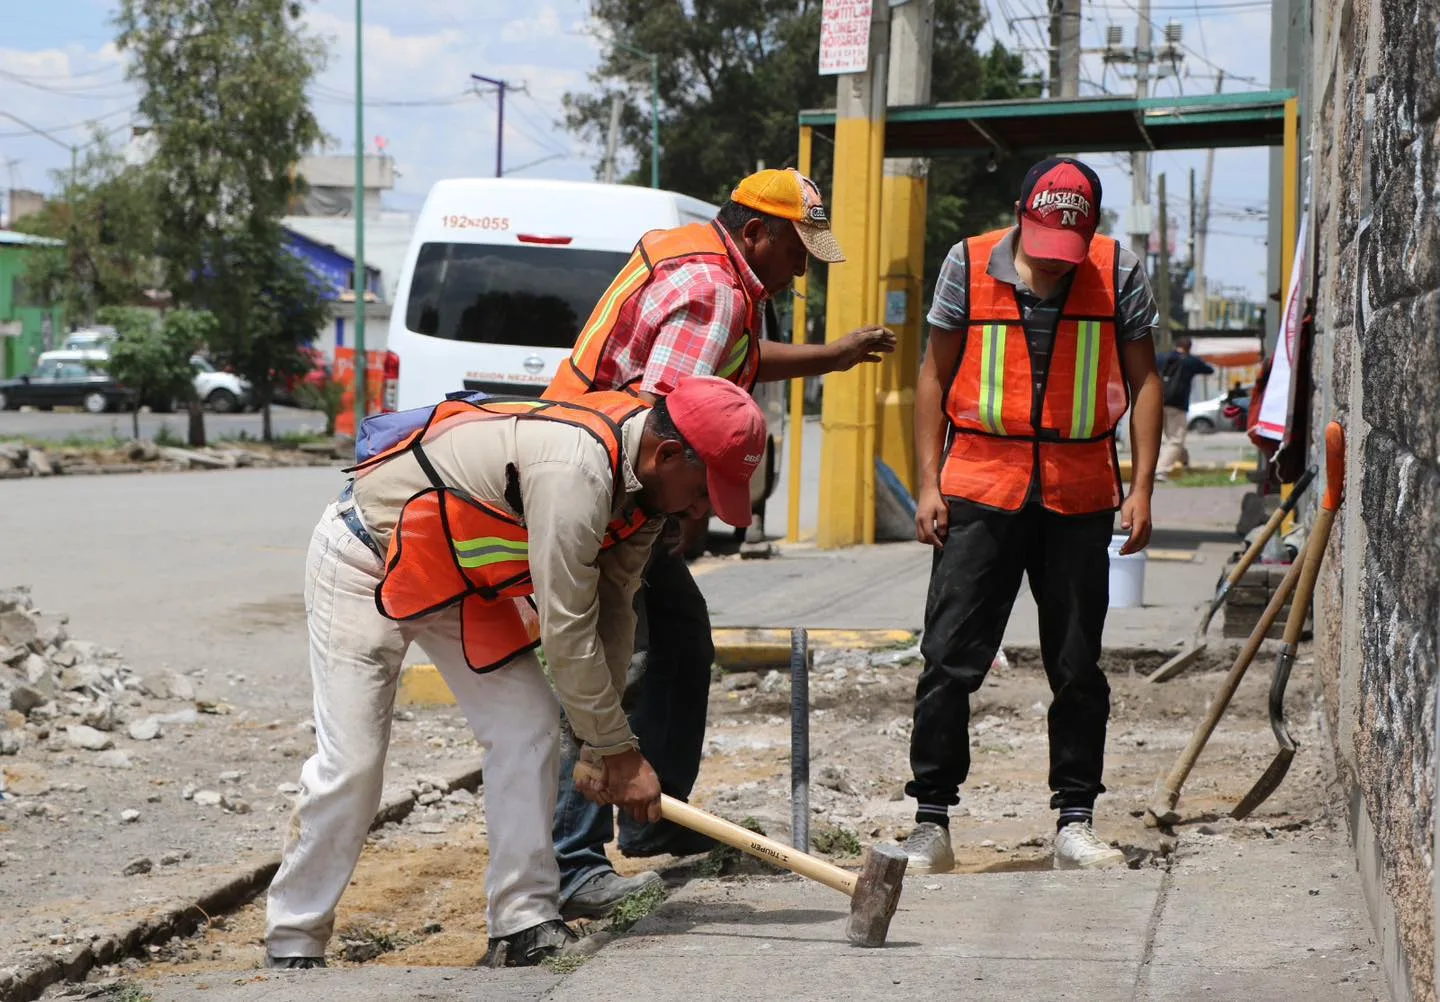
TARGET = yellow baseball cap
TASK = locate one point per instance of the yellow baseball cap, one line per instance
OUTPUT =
(788, 194)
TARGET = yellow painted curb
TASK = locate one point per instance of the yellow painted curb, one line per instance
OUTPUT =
(736, 649)
(745, 649)
(1235, 466)
(423, 685)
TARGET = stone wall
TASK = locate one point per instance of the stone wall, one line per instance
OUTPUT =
(1375, 167)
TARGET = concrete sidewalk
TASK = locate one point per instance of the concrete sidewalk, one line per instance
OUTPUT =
(884, 586)
(1276, 918)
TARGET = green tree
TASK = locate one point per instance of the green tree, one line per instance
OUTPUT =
(734, 77)
(224, 85)
(275, 304)
(107, 220)
(152, 353)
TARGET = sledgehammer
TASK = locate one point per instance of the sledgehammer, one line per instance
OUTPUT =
(874, 892)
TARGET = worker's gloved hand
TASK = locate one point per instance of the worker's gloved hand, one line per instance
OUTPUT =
(624, 779)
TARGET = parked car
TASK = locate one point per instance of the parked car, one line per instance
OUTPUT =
(1223, 413)
(67, 379)
(222, 392)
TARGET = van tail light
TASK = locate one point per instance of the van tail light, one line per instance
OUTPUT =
(535, 238)
(391, 393)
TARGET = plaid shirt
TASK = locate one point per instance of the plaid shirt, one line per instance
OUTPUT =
(684, 323)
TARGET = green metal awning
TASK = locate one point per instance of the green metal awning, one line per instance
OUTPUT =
(1082, 125)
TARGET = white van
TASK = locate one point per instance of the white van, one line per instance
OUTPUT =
(501, 275)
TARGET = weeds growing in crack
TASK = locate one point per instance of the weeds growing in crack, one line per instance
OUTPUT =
(567, 963)
(636, 907)
(837, 841)
(360, 944)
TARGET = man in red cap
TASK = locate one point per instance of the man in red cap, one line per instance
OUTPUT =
(691, 300)
(1040, 341)
(434, 547)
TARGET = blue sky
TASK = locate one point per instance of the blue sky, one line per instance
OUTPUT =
(59, 69)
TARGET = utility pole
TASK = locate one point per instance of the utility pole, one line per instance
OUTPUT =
(1191, 314)
(1202, 289)
(1163, 268)
(611, 137)
(1064, 48)
(654, 106)
(1140, 160)
(361, 400)
(499, 122)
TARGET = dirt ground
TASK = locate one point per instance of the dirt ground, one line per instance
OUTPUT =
(417, 897)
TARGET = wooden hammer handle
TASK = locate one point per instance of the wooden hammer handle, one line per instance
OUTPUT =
(743, 839)
(757, 845)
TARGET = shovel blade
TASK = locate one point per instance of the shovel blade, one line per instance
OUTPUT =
(1267, 784)
(1178, 663)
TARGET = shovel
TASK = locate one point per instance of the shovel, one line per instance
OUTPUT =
(1314, 557)
(1197, 647)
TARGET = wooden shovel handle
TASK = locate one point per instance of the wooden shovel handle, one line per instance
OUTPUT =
(1271, 527)
(1319, 532)
(1334, 466)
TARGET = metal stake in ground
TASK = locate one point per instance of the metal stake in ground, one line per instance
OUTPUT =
(1314, 557)
(800, 739)
(1189, 655)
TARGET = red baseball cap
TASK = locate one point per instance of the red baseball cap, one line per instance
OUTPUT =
(726, 428)
(1059, 210)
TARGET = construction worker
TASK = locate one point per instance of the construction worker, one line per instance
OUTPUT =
(1041, 337)
(689, 301)
(431, 543)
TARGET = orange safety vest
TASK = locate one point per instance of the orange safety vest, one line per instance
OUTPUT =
(999, 433)
(613, 316)
(450, 547)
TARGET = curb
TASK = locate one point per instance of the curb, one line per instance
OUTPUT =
(28, 981)
(736, 649)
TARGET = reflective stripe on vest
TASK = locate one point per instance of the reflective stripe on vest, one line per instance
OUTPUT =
(995, 447)
(449, 547)
(577, 374)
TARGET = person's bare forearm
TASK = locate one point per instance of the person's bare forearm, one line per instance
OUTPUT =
(779, 360)
(929, 428)
(1146, 418)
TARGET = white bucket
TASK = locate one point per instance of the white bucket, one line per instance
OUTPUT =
(1127, 576)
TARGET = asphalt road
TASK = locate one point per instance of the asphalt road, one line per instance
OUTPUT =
(61, 426)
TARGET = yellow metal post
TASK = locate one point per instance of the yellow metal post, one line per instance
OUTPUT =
(847, 467)
(902, 251)
(1290, 211)
(1289, 223)
(797, 386)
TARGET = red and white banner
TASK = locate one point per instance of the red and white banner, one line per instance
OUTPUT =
(844, 36)
(1276, 407)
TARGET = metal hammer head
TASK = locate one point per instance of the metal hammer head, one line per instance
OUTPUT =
(877, 893)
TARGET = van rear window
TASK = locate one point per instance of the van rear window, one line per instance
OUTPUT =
(535, 297)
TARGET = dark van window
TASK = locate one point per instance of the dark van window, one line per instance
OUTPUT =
(538, 297)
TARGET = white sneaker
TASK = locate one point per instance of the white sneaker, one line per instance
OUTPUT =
(1077, 847)
(929, 849)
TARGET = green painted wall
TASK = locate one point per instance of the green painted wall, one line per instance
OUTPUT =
(18, 353)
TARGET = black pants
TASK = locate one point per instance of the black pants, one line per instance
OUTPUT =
(973, 583)
(666, 707)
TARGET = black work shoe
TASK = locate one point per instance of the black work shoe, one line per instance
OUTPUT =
(598, 896)
(293, 963)
(529, 947)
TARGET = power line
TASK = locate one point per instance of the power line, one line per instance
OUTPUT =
(85, 93)
(1214, 66)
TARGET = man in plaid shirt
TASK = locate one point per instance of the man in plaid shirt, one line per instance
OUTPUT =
(664, 318)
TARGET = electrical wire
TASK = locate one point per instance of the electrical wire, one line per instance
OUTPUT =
(1214, 66)
(97, 93)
